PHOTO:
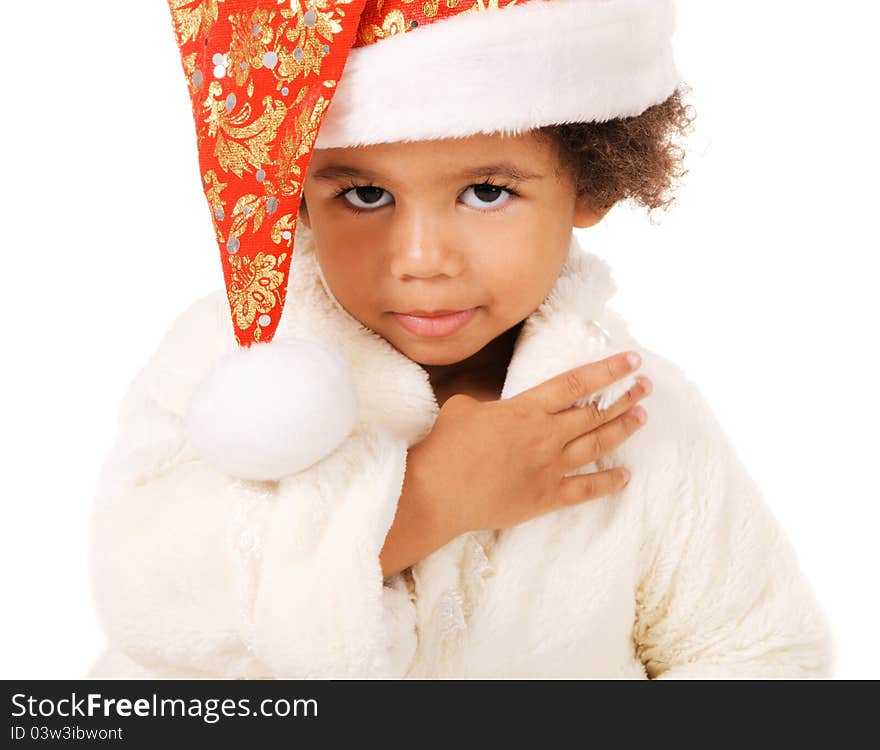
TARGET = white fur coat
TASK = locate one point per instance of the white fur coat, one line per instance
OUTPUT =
(684, 573)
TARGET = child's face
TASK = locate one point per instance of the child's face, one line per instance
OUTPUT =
(431, 236)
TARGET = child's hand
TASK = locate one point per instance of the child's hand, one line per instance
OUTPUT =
(508, 457)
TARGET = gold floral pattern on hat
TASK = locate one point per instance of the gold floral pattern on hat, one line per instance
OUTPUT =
(261, 75)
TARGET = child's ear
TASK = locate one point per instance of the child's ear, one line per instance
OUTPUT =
(586, 214)
(304, 213)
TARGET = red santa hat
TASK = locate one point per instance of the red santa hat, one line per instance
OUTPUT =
(271, 80)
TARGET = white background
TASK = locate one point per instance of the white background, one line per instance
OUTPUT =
(762, 282)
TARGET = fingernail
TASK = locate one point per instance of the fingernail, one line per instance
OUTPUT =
(634, 359)
(626, 475)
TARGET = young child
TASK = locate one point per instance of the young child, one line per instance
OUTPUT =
(404, 456)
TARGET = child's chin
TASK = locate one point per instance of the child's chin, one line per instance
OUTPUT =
(439, 352)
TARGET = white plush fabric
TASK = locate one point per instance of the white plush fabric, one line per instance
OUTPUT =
(685, 573)
(292, 386)
(536, 63)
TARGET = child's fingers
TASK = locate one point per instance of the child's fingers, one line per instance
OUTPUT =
(575, 421)
(581, 487)
(562, 391)
(603, 439)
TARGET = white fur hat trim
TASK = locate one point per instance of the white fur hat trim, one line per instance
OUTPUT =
(524, 66)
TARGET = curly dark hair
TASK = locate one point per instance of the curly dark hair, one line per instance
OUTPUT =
(628, 158)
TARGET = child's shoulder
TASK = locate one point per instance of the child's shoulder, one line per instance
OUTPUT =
(684, 438)
(665, 373)
(198, 330)
(677, 406)
(192, 343)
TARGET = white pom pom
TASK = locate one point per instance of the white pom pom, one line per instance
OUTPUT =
(271, 410)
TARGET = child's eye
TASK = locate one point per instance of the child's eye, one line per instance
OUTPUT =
(488, 194)
(361, 198)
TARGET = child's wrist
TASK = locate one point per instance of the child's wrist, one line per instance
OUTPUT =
(444, 516)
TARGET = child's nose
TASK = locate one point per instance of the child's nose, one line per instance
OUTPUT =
(422, 247)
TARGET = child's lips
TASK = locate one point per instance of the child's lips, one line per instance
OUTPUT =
(436, 326)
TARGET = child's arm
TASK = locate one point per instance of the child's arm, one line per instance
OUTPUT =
(418, 528)
(198, 573)
(721, 593)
